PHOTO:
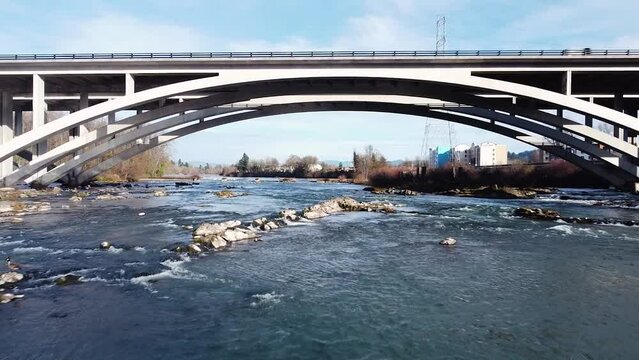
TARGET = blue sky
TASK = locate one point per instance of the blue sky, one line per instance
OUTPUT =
(242, 25)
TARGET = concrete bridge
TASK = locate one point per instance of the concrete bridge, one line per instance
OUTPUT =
(90, 111)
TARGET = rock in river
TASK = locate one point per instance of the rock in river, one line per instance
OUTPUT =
(208, 229)
(105, 245)
(449, 241)
(11, 278)
(537, 213)
(69, 279)
(8, 297)
(342, 204)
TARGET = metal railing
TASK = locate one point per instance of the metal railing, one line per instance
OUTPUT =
(320, 54)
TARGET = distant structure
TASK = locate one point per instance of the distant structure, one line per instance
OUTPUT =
(489, 154)
(484, 154)
(540, 156)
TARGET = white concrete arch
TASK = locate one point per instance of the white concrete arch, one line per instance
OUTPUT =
(433, 86)
(616, 178)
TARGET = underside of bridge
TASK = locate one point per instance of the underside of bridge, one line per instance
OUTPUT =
(70, 120)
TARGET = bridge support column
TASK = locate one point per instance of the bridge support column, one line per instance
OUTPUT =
(566, 83)
(18, 123)
(39, 107)
(7, 129)
(129, 84)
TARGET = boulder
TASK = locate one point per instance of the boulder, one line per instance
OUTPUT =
(270, 225)
(193, 249)
(288, 214)
(75, 198)
(537, 213)
(105, 245)
(238, 234)
(259, 222)
(208, 229)
(69, 279)
(8, 297)
(11, 278)
(159, 193)
(449, 241)
(218, 242)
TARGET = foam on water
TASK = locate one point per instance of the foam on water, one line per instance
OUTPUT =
(175, 271)
(9, 243)
(115, 250)
(572, 230)
(266, 299)
(36, 249)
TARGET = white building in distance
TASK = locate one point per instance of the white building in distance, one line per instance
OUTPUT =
(489, 154)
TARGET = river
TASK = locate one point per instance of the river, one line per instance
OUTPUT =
(349, 286)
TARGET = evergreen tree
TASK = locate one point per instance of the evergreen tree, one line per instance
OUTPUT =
(243, 164)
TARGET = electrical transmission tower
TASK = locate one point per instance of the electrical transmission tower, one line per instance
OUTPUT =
(440, 44)
(423, 159)
(440, 47)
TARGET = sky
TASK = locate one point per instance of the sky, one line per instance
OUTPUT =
(44, 26)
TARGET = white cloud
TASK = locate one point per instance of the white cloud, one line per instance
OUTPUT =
(375, 32)
(117, 32)
(292, 43)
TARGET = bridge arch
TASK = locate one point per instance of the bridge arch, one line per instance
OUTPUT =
(446, 85)
(606, 171)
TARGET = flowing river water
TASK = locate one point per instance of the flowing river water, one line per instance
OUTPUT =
(349, 286)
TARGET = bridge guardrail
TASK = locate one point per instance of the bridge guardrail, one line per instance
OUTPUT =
(321, 53)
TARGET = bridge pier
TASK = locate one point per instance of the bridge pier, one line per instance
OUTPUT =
(39, 109)
(8, 129)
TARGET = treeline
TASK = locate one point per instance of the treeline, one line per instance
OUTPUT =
(295, 166)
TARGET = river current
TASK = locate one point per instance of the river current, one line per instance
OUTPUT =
(348, 286)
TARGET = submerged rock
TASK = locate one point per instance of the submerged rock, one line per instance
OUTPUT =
(75, 198)
(109, 197)
(391, 191)
(159, 193)
(8, 297)
(449, 241)
(226, 194)
(537, 213)
(493, 192)
(69, 279)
